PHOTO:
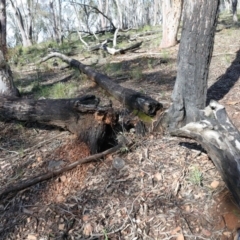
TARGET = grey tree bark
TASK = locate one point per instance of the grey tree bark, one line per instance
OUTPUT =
(195, 51)
(234, 10)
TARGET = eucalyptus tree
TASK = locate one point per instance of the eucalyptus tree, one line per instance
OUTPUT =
(24, 21)
(7, 86)
(171, 11)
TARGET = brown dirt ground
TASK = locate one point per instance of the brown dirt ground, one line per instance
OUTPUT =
(167, 189)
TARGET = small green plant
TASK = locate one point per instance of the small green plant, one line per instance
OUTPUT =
(105, 234)
(195, 176)
(165, 54)
(227, 58)
(136, 73)
(56, 91)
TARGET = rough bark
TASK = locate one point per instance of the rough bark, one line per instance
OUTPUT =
(128, 97)
(171, 11)
(221, 139)
(195, 51)
(81, 116)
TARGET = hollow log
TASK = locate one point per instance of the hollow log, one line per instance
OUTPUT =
(221, 139)
(81, 116)
(128, 97)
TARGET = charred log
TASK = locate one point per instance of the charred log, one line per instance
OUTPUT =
(81, 116)
(128, 97)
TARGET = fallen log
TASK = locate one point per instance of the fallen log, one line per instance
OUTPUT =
(128, 97)
(48, 175)
(81, 116)
(221, 139)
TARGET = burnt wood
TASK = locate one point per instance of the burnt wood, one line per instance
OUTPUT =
(128, 97)
(81, 116)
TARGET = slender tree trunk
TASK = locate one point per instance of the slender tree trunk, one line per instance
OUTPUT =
(171, 11)
(25, 38)
(3, 32)
(190, 90)
(234, 10)
(6, 80)
(120, 18)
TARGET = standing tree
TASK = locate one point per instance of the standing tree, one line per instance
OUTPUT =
(195, 51)
(7, 86)
(171, 12)
(234, 10)
(25, 30)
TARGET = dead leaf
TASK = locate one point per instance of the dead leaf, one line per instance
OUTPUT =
(85, 218)
(176, 230)
(31, 237)
(206, 232)
(61, 227)
(232, 102)
(158, 176)
(87, 231)
(180, 237)
(214, 184)
(63, 178)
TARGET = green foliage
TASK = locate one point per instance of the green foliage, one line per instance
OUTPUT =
(136, 73)
(113, 68)
(58, 90)
(195, 176)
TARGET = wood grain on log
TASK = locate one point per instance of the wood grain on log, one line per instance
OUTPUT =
(221, 139)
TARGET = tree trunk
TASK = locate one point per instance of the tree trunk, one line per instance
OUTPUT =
(171, 11)
(3, 32)
(81, 116)
(128, 97)
(194, 57)
(234, 10)
(24, 32)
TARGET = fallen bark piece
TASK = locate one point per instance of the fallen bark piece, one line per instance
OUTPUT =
(128, 97)
(40, 178)
(221, 139)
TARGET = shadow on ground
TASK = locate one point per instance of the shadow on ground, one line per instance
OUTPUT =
(225, 82)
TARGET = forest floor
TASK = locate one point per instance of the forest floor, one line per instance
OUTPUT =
(168, 187)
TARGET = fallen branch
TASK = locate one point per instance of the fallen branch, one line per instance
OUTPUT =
(221, 139)
(40, 178)
(128, 97)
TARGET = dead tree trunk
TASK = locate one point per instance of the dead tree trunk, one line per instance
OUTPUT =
(128, 97)
(221, 139)
(81, 116)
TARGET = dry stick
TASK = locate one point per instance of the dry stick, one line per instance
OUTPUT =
(28, 183)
